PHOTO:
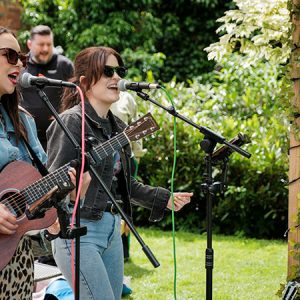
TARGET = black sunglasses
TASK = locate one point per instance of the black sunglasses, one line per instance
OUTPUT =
(109, 71)
(13, 56)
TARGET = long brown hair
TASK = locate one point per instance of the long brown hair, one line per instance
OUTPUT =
(90, 63)
(11, 103)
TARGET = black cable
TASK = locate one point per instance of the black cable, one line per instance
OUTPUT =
(294, 180)
(289, 229)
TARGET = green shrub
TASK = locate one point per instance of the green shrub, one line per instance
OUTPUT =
(229, 100)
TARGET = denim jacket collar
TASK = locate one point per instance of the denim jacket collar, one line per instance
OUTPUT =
(9, 148)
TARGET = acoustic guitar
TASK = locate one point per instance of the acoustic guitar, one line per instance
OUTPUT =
(22, 188)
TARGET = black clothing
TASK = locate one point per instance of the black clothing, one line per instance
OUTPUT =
(61, 151)
(59, 67)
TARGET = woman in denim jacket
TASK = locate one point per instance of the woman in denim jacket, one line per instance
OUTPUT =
(16, 125)
(97, 71)
(16, 279)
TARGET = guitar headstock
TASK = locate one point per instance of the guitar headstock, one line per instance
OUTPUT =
(142, 127)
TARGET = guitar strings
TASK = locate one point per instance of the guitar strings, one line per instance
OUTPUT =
(19, 199)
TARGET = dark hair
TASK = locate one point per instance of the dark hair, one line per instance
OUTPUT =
(90, 63)
(11, 102)
(41, 30)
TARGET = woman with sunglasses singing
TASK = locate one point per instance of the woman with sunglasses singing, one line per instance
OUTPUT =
(16, 279)
(97, 72)
(18, 136)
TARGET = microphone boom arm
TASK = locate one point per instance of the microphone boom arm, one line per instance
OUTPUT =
(210, 134)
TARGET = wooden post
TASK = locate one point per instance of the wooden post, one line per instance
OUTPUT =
(294, 153)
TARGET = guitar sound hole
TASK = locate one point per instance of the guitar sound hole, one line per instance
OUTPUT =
(15, 202)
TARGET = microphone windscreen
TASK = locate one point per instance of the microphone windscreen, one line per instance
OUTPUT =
(122, 85)
(24, 80)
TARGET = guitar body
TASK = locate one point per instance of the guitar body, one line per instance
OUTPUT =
(13, 178)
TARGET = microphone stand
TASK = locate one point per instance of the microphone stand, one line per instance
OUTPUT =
(79, 231)
(210, 187)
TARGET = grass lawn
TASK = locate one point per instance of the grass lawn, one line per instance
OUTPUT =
(243, 268)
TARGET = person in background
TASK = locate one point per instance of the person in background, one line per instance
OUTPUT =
(97, 70)
(126, 109)
(16, 127)
(44, 60)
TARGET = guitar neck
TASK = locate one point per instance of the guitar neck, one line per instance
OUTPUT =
(41, 187)
(109, 147)
(60, 176)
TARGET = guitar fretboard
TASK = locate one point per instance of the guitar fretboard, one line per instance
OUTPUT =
(60, 176)
(41, 187)
(109, 147)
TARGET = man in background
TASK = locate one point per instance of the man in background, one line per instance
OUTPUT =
(44, 60)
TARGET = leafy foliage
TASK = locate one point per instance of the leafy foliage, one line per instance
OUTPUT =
(257, 29)
(228, 100)
(155, 35)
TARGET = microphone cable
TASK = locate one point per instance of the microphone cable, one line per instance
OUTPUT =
(172, 193)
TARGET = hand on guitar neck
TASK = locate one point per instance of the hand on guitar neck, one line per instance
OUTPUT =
(85, 183)
(54, 229)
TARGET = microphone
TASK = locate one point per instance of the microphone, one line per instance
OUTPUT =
(26, 80)
(124, 85)
(225, 151)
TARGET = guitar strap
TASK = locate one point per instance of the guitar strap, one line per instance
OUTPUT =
(43, 170)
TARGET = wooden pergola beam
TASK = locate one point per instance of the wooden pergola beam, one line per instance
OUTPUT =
(294, 153)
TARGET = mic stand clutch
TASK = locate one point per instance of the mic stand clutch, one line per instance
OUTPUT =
(210, 188)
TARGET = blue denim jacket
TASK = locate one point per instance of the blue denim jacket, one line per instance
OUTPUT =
(9, 150)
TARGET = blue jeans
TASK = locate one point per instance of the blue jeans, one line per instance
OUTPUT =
(101, 259)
